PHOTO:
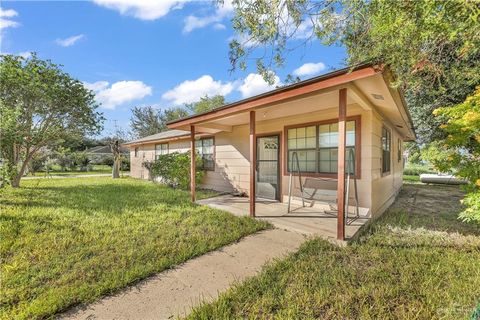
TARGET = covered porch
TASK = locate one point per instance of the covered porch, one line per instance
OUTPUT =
(338, 106)
(309, 220)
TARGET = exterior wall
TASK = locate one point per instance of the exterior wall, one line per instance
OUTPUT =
(146, 152)
(232, 166)
(384, 187)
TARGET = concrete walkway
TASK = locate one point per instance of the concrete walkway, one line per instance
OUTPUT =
(174, 292)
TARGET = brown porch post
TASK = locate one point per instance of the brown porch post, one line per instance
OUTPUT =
(342, 114)
(192, 162)
(253, 163)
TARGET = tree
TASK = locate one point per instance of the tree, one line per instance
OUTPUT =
(146, 121)
(432, 46)
(206, 104)
(460, 150)
(40, 104)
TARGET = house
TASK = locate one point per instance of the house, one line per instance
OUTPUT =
(351, 120)
(98, 154)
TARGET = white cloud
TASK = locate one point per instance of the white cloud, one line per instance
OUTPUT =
(5, 19)
(192, 90)
(308, 69)
(221, 12)
(219, 26)
(142, 9)
(96, 86)
(118, 93)
(8, 13)
(70, 41)
(254, 84)
(25, 54)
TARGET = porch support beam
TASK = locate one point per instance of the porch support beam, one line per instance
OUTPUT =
(192, 163)
(342, 115)
(253, 163)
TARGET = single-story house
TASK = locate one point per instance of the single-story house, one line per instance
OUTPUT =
(339, 129)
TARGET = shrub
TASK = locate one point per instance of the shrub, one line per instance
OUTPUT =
(417, 169)
(37, 163)
(174, 169)
(472, 202)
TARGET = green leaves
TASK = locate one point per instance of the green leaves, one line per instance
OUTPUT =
(40, 104)
(432, 46)
(174, 169)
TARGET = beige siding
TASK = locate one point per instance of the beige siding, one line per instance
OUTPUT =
(146, 152)
(232, 166)
(386, 187)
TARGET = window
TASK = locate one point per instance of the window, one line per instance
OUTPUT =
(400, 153)
(386, 147)
(317, 147)
(136, 152)
(161, 149)
(204, 148)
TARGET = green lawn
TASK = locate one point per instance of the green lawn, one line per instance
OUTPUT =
(418, 261)
(69, 241)
(411, 179)
(57, 172)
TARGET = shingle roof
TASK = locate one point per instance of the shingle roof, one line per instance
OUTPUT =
(160, 136)
(104, 150)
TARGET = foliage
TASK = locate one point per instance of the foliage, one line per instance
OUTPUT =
(40, 105)
(206, 104)
(432, 46)
(38, 162)
(414, 153)
(71, 241)
(417, 169)
(173, 169)
(472, 203)
(460, 151)
(146, 121)
(417, 261)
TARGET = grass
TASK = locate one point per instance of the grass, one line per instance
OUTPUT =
(418, 261)
(57, 172)
(70, 241)
(411, 179)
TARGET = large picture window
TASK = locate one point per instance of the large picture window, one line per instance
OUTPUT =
(317, 147)
(386, 150)
(204, 148)
(161, 149)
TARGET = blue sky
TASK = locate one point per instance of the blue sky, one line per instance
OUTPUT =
(137, 53)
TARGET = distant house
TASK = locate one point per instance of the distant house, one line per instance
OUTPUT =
(99, 153)
(350, 120)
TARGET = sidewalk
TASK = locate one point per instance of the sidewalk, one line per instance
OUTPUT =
(174, 292)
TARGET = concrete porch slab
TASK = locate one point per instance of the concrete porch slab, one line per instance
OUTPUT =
(310, 221)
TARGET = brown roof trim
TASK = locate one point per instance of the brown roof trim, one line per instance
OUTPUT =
(137, 143)
(331, 79)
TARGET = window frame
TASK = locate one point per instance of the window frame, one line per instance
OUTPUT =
(399, 150)
(358, 147)
(160, 144)
(213, 152)
(389, 134)
(135, 152)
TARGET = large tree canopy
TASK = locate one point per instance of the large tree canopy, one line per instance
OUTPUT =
(146, 121)
(433, 46)
(39, 105)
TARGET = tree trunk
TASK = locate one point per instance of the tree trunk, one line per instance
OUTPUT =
(15, 183)
(115, 147)
(116, 168)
